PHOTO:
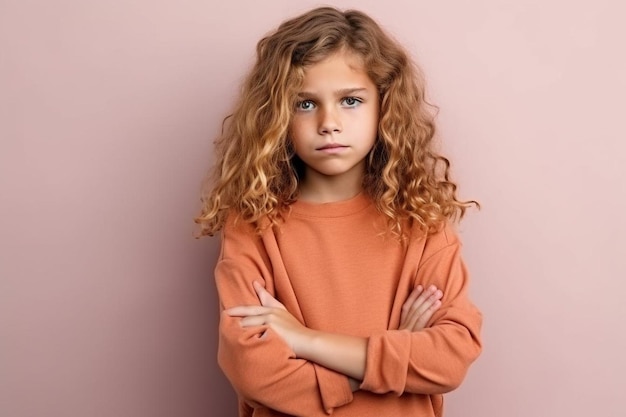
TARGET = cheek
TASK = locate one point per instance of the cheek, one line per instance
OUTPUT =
(374, 124)
(298, 132)
(296, 141)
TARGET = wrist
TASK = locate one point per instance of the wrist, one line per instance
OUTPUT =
(304, 345)
(342, 353)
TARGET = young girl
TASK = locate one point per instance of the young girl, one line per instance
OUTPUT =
(340, 275)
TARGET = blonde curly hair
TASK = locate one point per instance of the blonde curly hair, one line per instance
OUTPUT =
(256, 173)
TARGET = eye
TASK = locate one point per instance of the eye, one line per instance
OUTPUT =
(351, 101)
(305, 105)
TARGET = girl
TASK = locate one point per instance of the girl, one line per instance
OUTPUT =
(340, 275)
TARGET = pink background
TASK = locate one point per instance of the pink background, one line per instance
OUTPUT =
(107, 114)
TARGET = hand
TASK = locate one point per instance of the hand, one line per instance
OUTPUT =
(419, 308)
(273, 314)
(342, 353)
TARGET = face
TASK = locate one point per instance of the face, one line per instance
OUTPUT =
(336, 120)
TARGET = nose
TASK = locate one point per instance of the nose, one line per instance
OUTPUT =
(329, 122)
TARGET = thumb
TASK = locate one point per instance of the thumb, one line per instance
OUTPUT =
(265, 297)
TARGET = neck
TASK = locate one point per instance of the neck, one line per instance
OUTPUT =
(319, 188)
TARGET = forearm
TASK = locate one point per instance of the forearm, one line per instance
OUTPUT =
(264, 370)
(338, 352)
(434, 361)
(341, 353)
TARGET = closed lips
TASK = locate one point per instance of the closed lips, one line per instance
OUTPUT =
(332, 146)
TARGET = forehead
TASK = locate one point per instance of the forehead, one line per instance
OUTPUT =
(341, 69)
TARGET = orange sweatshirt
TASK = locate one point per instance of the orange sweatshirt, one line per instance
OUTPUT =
(334, 271)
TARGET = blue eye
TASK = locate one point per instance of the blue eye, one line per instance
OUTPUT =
(305, 105)
(351, 101)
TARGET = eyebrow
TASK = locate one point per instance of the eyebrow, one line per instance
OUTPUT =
(339, 93)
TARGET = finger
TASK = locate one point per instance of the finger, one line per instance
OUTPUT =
(406, 307)
(417, 298)
(423, 320)
(265, 297)
(243, 311)
(424, 300)
(425, 295)
(420, 307)
(253, 321)
(422, 315)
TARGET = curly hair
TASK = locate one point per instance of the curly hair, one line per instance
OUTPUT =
(256, 173)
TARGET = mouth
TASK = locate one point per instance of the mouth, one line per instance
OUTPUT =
(331, 146)
(332, 149)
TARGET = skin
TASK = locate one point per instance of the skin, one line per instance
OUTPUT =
(333, 130)
(342, 353)
(335, 127)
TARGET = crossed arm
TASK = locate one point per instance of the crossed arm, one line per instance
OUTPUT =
(268, 363)
(342, 353)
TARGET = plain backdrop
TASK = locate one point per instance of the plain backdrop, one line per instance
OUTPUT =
(108, 111)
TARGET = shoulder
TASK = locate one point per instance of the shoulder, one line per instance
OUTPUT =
(236, 224)
(447, 235)
(240, 236)
(444, 239)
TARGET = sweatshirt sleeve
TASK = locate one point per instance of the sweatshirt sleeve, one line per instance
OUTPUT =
(260, 366)
(434, 360)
